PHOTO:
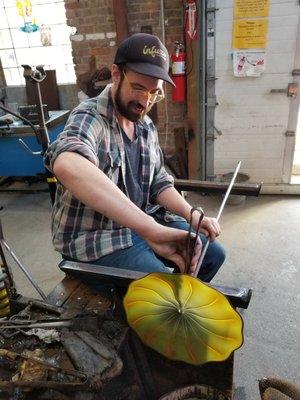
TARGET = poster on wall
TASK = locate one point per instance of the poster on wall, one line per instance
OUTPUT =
(248, 63)
(250, 34)
(251, 8)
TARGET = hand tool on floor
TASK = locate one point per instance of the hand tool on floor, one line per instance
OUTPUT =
(196, 272)
(32, 281)
(87, 323)
(48, 307)
(73, 380)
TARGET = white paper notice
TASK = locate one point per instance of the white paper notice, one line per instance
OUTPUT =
(248, 63)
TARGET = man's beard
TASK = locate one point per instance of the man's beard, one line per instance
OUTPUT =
(127, 110)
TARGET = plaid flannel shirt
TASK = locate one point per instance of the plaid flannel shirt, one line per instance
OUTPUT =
(93, 131)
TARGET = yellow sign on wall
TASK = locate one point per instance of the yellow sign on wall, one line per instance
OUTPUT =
(250, 34)
(251, 8)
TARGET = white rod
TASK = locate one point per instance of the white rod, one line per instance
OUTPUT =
(218, 217)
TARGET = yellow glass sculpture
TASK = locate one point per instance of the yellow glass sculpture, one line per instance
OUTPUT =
(182, 318)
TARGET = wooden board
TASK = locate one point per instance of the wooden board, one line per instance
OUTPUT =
(192, 49)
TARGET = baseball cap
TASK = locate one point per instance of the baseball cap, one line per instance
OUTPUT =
(145, 54)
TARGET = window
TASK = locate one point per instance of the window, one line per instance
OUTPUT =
(18, 47)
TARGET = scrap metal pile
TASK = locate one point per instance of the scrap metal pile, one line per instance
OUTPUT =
(51, 352)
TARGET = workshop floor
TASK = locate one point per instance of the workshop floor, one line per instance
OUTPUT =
(262, 240)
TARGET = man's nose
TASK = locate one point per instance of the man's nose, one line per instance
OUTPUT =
(144, 101)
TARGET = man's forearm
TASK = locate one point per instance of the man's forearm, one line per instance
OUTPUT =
(174, 202)
(93, 188)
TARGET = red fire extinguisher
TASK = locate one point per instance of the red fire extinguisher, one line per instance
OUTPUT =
(179, 73)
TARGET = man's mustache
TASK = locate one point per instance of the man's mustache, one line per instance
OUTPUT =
(136, 104)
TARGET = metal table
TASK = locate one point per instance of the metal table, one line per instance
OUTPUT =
(15, 160)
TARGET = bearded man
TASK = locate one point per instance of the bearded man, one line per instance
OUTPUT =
(115, 204)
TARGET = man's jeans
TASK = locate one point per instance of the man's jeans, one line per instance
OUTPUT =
(140, 257)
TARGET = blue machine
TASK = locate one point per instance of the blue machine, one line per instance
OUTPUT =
(15, 160)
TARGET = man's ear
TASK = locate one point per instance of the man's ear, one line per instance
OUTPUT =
(115, 73)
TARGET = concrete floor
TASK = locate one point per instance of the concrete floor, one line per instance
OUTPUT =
(262, 241)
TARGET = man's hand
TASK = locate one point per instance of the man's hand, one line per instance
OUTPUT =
(172, 201)
(171, 244)
(209, 226)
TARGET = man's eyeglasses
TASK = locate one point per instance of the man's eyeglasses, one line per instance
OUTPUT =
(152, 97)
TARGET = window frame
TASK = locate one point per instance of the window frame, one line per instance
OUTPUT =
(65, 71)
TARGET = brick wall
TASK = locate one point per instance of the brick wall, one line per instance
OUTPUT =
(96, 35)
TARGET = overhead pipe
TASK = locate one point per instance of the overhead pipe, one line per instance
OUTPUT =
(162, 19)
(202, 87)
(163, 39)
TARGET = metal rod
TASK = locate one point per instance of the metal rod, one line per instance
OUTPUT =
(201, 25)
(45, 136)
(42, 325)
(41, 293)
(13, 355)
(51, 180)
(34, 153)
(196, 272)
(229, 190)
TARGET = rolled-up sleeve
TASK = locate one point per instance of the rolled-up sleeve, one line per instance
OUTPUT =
(82, 134)
(161, 179)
